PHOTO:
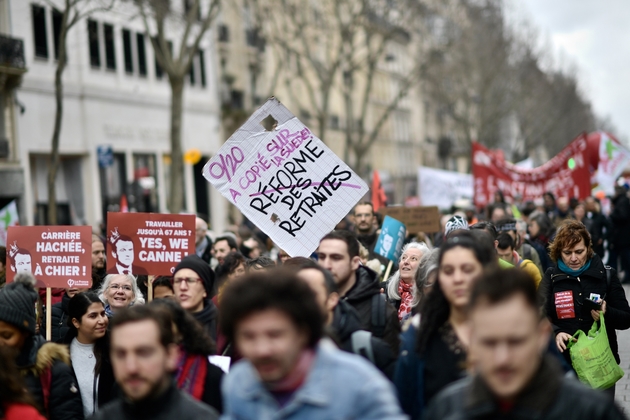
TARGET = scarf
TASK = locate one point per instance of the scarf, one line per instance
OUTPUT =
(108, 311)
(566, 270)
(406, 298)
(191, 374)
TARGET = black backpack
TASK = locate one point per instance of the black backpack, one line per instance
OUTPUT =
(379, 314)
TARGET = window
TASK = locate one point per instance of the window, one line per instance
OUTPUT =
(126, 35)
(236, 97)
(95, 52)
(191, 73)
(142, 56)
(39, 31)
(334, 122)
(57, 17)
(110, 51)
(224, 33)
(202, 68)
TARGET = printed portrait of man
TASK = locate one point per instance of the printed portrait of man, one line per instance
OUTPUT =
(21, 260)
(122, 248)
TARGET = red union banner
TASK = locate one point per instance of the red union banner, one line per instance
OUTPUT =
(58, 256)
(566, 174)
(148, 243)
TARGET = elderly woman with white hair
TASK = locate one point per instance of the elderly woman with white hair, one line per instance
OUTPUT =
(119, 291)
(400, 286)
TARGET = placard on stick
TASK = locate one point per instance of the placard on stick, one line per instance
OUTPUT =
(417, 219)
(148, 243)
(58, 256)
(286, 181)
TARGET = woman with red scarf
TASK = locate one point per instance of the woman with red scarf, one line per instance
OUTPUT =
(195, 374)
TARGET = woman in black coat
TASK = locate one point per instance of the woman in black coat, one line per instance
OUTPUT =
(579, 274)
(88, 340)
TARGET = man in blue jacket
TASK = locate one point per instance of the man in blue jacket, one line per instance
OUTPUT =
(276, 324)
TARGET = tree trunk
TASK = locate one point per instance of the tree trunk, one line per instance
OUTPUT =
(53, 166)
(176, 197)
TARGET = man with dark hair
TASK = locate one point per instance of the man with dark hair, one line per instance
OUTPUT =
(144, 356)
(338, 252)
(525, 250)
(505, 250)
(365, 221)
(515, 377)
(344, 321)
(223, 246)
(491, 231)
(276, 324)
(259, 264)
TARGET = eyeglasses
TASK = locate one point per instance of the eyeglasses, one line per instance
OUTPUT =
(118, 286)
(188, 280)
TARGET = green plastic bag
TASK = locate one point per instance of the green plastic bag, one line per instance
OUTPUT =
(592, 358)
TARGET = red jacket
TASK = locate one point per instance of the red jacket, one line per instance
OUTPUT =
(21, 412)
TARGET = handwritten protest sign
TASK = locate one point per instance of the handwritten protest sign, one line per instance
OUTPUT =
(286, 181)
(416, 219)
(148, 243)
(58, 256)
(390, 241)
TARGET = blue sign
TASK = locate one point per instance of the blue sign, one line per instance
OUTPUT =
(105, 155)
(391, 240)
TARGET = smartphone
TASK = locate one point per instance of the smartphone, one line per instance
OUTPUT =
(591, 305)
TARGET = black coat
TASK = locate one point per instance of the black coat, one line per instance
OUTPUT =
(59, 320)
(38, 357)
(599, 229)
(212, 388)
(360, 297)
(171, 404)
(549, 396)
(593, 280)
(207, 252)
(345, 322)
(620, 220)
(207, 317)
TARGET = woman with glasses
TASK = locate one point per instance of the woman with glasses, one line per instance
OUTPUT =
(400, 287)
(119, 291)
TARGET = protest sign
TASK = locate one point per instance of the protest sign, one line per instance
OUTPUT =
(416, 219)
(148, 243)
(390, 241)
(8, 217)
(58, 256)
(437, 187)
(286, 181)
(566, 175)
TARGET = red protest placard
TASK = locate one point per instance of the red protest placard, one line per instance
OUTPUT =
(148, 243)
(58, 256)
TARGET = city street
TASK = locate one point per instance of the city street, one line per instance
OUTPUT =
(622, 395)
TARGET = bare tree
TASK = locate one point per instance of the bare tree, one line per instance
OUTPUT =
(72, 12)
(194, 21)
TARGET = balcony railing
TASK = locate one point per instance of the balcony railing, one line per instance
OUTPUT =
(12, 52)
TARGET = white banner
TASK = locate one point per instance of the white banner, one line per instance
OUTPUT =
(286, 181)
(613, 159)
(437, 187)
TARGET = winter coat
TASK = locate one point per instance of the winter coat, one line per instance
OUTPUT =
(338, 386)
(42, 362)
(558, 285)
(19, 411)
(620, 220)
(345, 322)
(409, 371)
(207, 317)
(207, 388)
(171, 404)
(549, 396)
(599, 230)
(59, 320)
(360, 297)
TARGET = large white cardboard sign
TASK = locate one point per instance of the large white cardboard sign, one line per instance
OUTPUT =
(286, 181)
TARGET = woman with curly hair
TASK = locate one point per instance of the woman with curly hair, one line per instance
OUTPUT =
(579, 274)
(195, 374)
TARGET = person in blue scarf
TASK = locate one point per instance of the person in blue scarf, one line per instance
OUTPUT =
(579, 274)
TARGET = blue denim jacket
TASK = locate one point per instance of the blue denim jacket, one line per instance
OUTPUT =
(340, 385)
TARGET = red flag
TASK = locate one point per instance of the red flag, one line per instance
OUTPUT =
(124, 207)
(379, 199)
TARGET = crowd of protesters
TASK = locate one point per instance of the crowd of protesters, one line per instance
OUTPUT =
(475, 321)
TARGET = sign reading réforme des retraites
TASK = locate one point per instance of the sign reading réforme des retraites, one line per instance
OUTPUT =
(286, 181)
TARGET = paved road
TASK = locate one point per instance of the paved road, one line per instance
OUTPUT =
(622, 393)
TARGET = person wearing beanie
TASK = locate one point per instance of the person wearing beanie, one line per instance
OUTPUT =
(44, 366)
(193, 284)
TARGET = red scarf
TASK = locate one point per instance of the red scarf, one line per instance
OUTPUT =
(191, 374)
(406, 298)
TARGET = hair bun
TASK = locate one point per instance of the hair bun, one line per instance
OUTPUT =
(25, 278)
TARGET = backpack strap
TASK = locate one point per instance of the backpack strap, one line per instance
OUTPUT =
(379, 318)
(362, 344)
(45, 378)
